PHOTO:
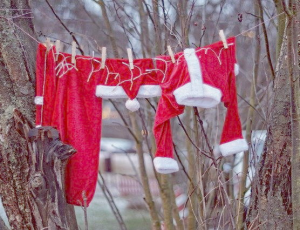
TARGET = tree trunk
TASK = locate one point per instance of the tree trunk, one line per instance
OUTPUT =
(32, 180)
(293, 71)
(17, 54)
(192, 202)
(23, 183)
(47, 157)
(271, 206)
(144, 176)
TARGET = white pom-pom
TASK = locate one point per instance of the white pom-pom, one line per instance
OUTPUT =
(132, 105)
(236, 69)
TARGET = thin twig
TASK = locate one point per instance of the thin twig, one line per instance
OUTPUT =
(111, 202)
(67, 29)
(188, 136)
(266, 39)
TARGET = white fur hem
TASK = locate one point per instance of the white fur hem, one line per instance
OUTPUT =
(145, 91)
(105, 91)
(186, 96)
(233, 147)
(236, 69)
(39, 100)
(165, 165)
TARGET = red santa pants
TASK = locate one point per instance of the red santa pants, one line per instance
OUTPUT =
(66, 100)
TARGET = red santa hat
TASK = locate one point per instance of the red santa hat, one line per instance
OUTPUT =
(119, 81)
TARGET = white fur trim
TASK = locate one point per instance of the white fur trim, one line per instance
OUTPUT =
(105, 91)
(132, 105)
(147, 91)
(186, 96)
(233, 147)
(236, 69)
(194, 70)
(38, 126)
(165, 165)
(39, 100)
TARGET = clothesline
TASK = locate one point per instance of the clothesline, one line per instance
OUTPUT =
(4, 9)
(10, 21)
(260, 24)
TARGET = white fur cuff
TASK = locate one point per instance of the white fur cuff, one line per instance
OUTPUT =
(210, 97)
(165, 165)
(233, 147)
(147, 91)
(236, 69)
(39, 100)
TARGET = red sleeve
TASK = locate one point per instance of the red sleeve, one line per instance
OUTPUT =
(232, 140)
(40, 67)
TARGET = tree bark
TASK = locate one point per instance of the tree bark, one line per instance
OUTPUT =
(2, 225)
(293, 71)
(192, 202)
(47, 157)
(271, 204)
(280, 27)
(21, 200)
(17, 58)
(32, 181)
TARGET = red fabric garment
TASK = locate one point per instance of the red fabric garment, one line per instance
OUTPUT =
(71, 106)
(217, 82)
(119, 81)
(45, 66)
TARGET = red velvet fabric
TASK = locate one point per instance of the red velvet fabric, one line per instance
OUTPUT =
(175, 75)
(118, 73)
(71, 106)
(217, 66)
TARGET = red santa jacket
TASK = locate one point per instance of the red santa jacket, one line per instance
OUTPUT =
(200, 77)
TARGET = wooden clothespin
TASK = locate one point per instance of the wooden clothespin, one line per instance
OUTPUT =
(58, 48)
(48, 44)
(130, 58)
(223, 39)
(73, 52)
(103, 57)
(170, 51)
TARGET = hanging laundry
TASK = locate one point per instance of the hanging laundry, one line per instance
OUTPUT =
(119, 81)
(66, 100)
(200, 77)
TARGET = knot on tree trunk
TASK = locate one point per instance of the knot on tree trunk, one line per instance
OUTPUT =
(49, 157)
(32, 167)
